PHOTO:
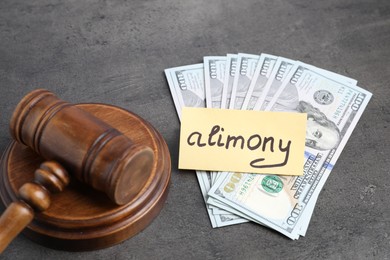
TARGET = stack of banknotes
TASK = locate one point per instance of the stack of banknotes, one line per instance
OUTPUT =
(333, 103)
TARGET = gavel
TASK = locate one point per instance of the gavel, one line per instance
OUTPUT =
(76, 142)
(93, 151)
(34, 196)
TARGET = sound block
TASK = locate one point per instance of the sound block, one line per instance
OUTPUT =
(81, 218)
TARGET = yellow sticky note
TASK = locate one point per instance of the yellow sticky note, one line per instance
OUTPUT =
(242, 141)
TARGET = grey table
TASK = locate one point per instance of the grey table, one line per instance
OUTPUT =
(115, 52)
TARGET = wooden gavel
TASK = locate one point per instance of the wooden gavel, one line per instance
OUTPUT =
(88, 148)
(91, 150)
(34, 196)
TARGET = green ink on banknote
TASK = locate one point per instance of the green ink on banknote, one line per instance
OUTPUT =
(272, 184)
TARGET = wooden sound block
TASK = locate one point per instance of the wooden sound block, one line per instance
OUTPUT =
(81, 218)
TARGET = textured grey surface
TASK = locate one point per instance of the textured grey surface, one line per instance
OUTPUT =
(115, 52)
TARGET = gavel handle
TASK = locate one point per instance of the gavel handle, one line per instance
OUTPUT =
(17, 216)
(34, 196)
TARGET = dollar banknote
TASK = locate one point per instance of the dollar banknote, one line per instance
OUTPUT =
(333, 109)
(266, 63)
(214, 76)
(332, 102)
(221, 219)
(263, 70)
(187, 87)
(246, 66)
(230, 72)
(281, 92)
(186, 84)
(279, 73)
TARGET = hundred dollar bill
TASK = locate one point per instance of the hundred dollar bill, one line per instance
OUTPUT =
(333, 109)
(226, 208)
(281, 94)
(236, 211)
(214, 71)
(279, 73)
(246, 193)
(246, 66)
(186, 84)
(214, 75)
(263, 71)
(260, 77)
(306, 216)
(217, 220)
(230, 71)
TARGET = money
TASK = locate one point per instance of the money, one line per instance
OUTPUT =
(230, 72)
(214, 75)
(187, 87)
(260, 77)
(246, 66)
(333, 110)
(278, 75)
(217, 220)
(333, 104)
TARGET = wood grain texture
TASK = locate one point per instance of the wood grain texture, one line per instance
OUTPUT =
(95, 152)
(81, 218)
(50, 176)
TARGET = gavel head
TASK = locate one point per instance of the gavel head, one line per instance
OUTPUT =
(90, 149)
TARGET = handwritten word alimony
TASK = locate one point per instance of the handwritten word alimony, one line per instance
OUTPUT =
(242, 141)
(254, 142)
